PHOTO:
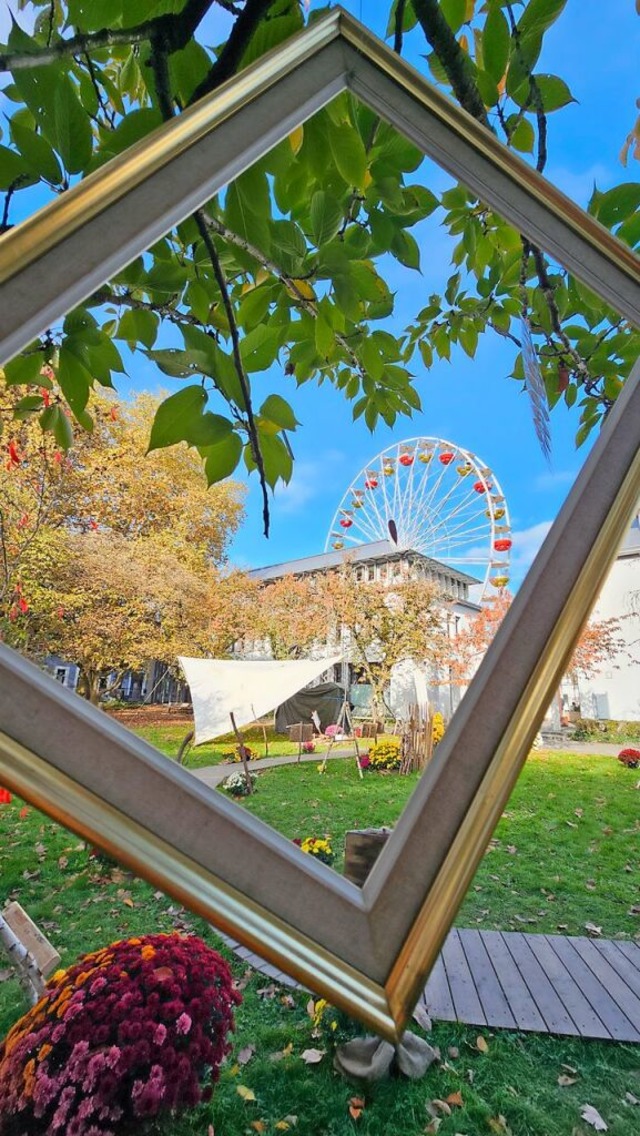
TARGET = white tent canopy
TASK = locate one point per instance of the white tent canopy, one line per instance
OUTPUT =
(220, 687)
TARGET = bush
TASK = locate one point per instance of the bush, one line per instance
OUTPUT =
(437, 728)
(383, 755)
(236, 784)
(126, 1034)
(605, 730)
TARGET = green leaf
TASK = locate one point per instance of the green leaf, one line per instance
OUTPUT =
(259, 348)
(36, 152)
(324, 337)
(253, 307)
(454, 12)
(349, 154)
(278, 464)
(12, 168)
(73, 378)
(62, 430)
(289, 246)
(73, 136)
(496, 42)
(222, 459)
(26, 406)
(554, 92)
(405, 249)
(617, 204)
(371, 359)
(488, 88)
(178, 417)
(277, 410)
(23, 369)
(172, 361)
(136, 125)
(523, 137)
(325, 217)
(538, 16)
(137, 326)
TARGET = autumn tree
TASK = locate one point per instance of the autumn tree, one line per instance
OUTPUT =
(599, 642)
(285, 267)
(111, 558)
(288, 617)
(380, 625)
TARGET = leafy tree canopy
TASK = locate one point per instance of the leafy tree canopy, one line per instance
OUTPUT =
(287, 266)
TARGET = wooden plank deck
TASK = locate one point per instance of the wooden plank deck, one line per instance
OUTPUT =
(548, 983)
(536, 983)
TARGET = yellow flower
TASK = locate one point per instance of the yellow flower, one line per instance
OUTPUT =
(147, 952)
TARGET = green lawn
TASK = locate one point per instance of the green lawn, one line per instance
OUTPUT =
(169, 738)
(565, 854)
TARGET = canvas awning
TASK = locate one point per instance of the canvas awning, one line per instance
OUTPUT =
(246, 689)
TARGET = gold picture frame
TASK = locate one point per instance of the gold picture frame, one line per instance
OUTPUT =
(367, 950)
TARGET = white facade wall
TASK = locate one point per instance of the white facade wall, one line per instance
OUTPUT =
(614, 691)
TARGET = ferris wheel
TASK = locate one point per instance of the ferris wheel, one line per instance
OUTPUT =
(432, 496)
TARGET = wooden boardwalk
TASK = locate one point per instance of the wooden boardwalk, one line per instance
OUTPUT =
(540, 983)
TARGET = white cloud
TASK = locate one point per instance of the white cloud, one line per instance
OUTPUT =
(578, 184)
(309, 480)
(526, 544)
(554, 479)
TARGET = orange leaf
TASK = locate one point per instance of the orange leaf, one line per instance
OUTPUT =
(482, 1045)
(455, 1099)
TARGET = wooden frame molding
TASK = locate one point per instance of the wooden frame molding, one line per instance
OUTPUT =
(367, 951)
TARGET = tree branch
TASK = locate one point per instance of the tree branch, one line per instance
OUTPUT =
(455, 61)
(397, 31)
(289, 283)
(227, 62)
(174, 30)
(201, 221)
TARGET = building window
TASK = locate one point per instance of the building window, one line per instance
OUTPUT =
(371, 572)
(359, 575)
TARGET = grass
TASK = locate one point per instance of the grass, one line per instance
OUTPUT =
(169, 738)
(564, 854)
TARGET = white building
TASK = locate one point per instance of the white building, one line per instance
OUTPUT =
(382, 561)
(614, 691)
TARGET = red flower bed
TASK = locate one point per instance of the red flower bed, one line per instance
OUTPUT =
(126, 1034)
(630, 758)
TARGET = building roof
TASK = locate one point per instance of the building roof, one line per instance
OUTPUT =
(360, 554)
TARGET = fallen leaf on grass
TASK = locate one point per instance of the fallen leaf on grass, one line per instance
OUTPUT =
(245, 1054)
(433, 1126)
(286, 1123)
(482, 1045)
(312, 1056)
(258, 1125)
(499, 1124)
(288, 1001)
(286, 1052)
(453, 1052)
(592, 1117)
(635, 910)
(455, 1099)
(246, 1093)
(267, 991)
(569, 1069)
(438, 1107)
(564, 1081)
(592, 931)
(630, 1099)
(210, 1131)
(356, 1105)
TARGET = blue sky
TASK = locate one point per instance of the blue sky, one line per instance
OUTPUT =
(472, 403)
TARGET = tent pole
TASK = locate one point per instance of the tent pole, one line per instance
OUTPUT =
(243, 754)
